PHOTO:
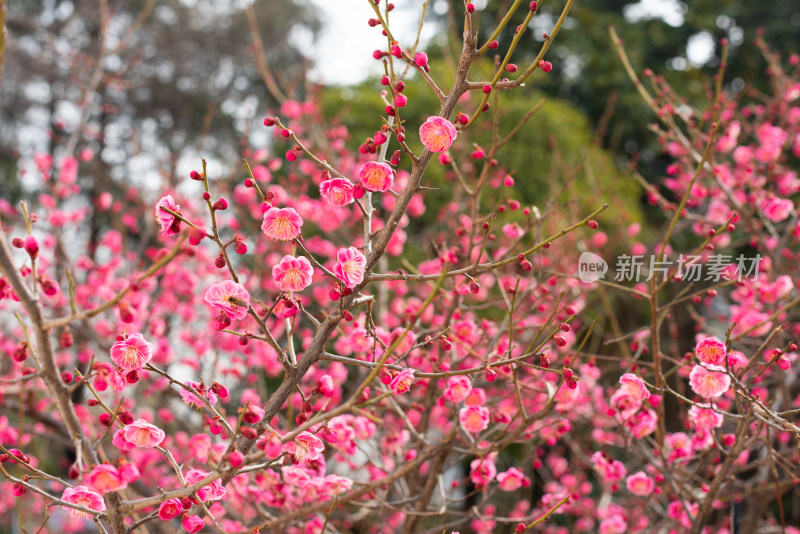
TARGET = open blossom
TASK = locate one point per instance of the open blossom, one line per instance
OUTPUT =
(293, 274)
(482, 470)
(305, 447)
(140, 433)
(132, 353)
(192, 523)
(337, 191)
(376, 176)
(640, 484)
(437, 134)
(709, 381)
(612, 470)
(191, 399)
(349, 268)
(777, 209)
(634, 387)
(702, 417)
(282, 224)
(105, 478)
(170, 225)
(473, 418)
(512, 480)
(169, 509)
(229, 297)
(458, 387)
(211, 492)
(402, 381)
(711, 351)
(83, 496)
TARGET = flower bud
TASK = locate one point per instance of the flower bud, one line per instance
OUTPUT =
(31, 246)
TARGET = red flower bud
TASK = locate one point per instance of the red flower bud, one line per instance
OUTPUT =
(31, 246)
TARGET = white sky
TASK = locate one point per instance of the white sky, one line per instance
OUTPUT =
(344, 48)
(343, 52)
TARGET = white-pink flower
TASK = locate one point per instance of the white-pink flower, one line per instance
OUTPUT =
(229, 297)
(612, 470)
(634, 387)
(458, 387)
(170, 225)
(437, 134)
(350, 265)
(210, 492)
(305, 447)
(140, 433)
(105, 478)
(282, 224)
(777, 209)
(640, 484)
(474, 418)
(132, 353)
(709, 381)
(292, 274)
(337, 191)
(402, 381)
(512, 480)
(702, 417)
(711, 351)
(83, 496)
(376, 176)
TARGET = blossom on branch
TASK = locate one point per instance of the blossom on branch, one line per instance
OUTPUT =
(229, 297)
(437, 134)
(293, 274)
(349, 268)
(132, 353)
(282, 224)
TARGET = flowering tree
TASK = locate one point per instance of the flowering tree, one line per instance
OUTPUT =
(259, 352)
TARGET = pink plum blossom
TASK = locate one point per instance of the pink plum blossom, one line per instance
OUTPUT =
(702, 417)
(292, 274)
(104, 478)
(474, 418)
(140, 433)
(211, 492)
(376, 176)
(640, 484)
(512, 480)
(305, 447)
(482, 471)
(634, 387)
(191, 399)
(349, 268)
(229, 297)
(282, 224)
(337, 191)
(192, 523)
(711, 351)
(401, 382)
(132, 353)
(169, 509)
(777, 209)
(458, 387)
(611, 470)
(709, 381)
(170, 225)
(437, 134)
(83, 496)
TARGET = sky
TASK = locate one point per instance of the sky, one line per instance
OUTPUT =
(345, 44)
